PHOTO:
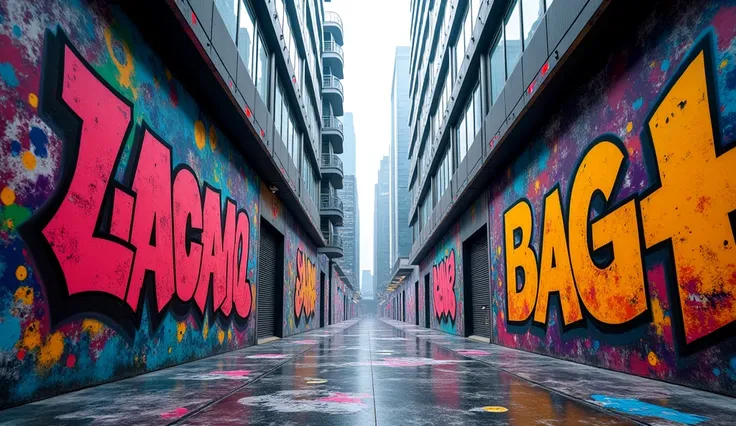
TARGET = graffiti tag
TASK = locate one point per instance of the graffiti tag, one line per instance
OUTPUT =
(443, 275)
(305, 294)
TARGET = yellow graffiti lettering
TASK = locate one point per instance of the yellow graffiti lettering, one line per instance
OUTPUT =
(520, 260)
(555, 272)
(615, 293)
(691, 207)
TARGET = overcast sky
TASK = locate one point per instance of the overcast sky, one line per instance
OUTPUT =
(373, 29)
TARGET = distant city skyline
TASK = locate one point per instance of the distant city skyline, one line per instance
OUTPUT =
(369, 63)
(399, 196)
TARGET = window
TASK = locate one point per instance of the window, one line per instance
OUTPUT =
(475, 8)
(246, 34)
(549, 2)
(229, 12)
(278, 109)
(469, 124)
(512, 31)
(533, 11)
(262, 70)
(310, 183)
(497, 68)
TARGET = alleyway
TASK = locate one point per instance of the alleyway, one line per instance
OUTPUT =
(373, 372)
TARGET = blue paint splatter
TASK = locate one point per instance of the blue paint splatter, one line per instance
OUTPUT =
(39, 140)
(15, 148)
(9, 332)
(638, 103)
(665, 65)
(7, 73)
(543, 157)
(716, 372)
(639, 408)
(596, 345)
(17, 31)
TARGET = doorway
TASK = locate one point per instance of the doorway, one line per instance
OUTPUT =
(427, 308)
(321, 299)
(270, 278)
(477, 287)
(416, 302)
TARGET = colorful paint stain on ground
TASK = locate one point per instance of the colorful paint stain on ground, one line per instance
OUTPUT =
(644, 409)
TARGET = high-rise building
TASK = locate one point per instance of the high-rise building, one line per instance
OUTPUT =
(366, 284)
(349, 152)
(399, 196)
(350, 230)
(381, 232)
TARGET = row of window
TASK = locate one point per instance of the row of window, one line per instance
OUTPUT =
(519, 25)
(311, 185)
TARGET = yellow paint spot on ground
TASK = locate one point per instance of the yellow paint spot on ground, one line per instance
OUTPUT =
(498, 250)
(21, 273)
(169, 349)
(25, 295)
(125, 69)
(213, 137)
(199, 134)
(32, 336)
(9, 223)
(52, 350)
(181, 330)
(494, 409)
(652, 358)
(7, 196)
(205, 329)
(316, 381)
(629, 127)
(33, 100)
(723, 64)
(229, 335)
(220, 336)
(29, 160)
(536, 185)
(92, 326)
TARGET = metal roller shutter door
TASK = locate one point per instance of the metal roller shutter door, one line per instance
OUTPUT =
(479, 279)
(267, 284)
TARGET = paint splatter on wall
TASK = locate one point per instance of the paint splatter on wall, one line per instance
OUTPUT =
(94, 217)
(611, 235)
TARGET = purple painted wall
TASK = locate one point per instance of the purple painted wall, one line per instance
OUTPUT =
(652, 291)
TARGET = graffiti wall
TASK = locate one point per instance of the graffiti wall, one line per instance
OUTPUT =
(128, 223)
(444, 266)
(612, 235)
(302, 266)
(338, 300)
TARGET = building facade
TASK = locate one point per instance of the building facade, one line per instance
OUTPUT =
(558, 147)
(163, 205)
(350, 230)
(349, 155)
(381, 226)
(399, 196)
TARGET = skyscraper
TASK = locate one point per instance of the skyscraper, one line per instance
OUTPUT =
(366, 284)
(381, 226)
(350, 230)
(349, 148)
(399, 196)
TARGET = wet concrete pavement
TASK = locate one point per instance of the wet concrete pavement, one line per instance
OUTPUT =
(379, 372)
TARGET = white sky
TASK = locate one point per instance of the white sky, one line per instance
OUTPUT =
(373, 29)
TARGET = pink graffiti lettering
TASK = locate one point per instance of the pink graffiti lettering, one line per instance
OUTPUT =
(443, 275)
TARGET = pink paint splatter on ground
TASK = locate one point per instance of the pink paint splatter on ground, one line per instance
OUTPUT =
(175, 413)
(231, 373)
(305, 342)
(473, 352)
(344, 398)
(268, 356)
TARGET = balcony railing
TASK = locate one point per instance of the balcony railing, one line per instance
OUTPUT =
(333, 239)
(331, 160)
(331, 47)
(331, 82)
(331, 123)
(328, 201)
(333, 17)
